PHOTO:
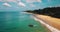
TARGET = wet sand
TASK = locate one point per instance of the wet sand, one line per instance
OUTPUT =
(54, 22)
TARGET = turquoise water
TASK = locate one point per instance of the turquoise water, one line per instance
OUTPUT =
(19, 22)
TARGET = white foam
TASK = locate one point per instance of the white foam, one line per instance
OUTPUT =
(48, 26)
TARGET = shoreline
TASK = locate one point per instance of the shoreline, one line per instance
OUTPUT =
(51, 28)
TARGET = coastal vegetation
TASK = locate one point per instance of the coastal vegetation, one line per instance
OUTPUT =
(49, 11)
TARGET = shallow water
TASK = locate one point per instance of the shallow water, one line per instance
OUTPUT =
(19, 22)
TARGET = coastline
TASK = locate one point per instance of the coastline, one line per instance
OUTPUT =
(51, 28)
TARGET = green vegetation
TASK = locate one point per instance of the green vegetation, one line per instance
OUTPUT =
(50, 11)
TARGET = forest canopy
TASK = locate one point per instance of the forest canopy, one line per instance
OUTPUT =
(49, 11)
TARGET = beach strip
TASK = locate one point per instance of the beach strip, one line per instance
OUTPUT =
(45, 22)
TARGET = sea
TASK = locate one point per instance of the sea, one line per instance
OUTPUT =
(17, 21)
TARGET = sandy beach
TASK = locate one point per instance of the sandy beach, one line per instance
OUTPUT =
(49, 21)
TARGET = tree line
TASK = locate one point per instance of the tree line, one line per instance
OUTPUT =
(49, 11)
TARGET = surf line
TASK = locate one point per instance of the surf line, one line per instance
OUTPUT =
(47, 25)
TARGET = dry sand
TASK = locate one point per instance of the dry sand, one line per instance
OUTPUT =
(54, 22)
